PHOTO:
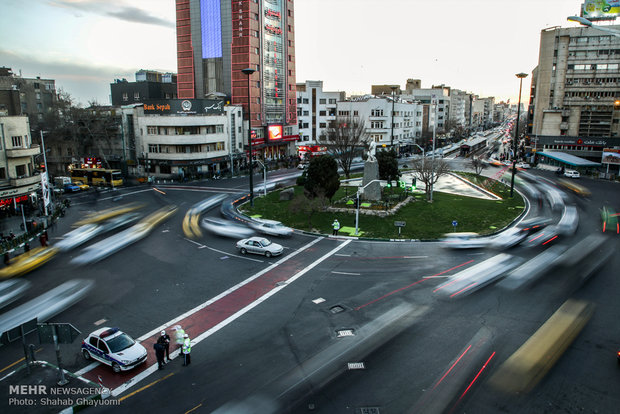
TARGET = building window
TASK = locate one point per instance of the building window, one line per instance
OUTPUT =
(125, 97)
(306, 113)
(151, 130)
(376, 112)
(2, 173)
(322, 101)
(305, 100)
(20, 170)
(36, 85)
(17, 141)
(37, 96)
(322, 113)
(136, 96)
(154, 148)
(219, 129)
(322, 125)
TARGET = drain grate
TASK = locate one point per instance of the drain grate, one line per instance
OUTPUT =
(356, 365)
(369, 410)
(345, 332)
(336, 309)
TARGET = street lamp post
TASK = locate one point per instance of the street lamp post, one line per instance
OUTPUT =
(392, 131)
(433, 158)
(521, 76)
(585, 22)
(249, 72)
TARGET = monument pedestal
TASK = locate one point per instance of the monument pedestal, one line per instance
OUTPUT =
(371, 172)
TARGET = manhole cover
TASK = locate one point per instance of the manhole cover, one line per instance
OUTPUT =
(345, 332)
(336, 309)
(369, 410)
(356, 365)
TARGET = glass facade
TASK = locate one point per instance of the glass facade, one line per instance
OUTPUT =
(211, 26)
(274, 65)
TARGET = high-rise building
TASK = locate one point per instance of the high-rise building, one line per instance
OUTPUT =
(217, 39)
(574, 88)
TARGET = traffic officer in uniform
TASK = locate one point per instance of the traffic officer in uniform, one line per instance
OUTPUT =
(336, 227)
(164, 339)
(186, 349)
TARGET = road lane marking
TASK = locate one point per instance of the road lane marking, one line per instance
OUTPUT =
(346, 273)
(145, 387)
(17, 362)
(202, 246)
(123, 387)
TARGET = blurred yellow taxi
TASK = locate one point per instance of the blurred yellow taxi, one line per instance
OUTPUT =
(28, 261)
(81, 185)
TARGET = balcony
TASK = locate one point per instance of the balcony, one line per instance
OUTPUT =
(23, 152)
(24, 181)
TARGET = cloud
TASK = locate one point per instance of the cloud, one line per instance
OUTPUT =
(82, 81)
(114, 9)
(132, 14)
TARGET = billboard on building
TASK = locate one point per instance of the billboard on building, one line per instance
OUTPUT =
(611, 156)
(274, 132)
(600, 9)
(184, 106)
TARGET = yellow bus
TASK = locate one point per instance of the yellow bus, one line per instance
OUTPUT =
(97, 176)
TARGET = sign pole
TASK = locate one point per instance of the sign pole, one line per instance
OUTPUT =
(61, 372)
(25, 349)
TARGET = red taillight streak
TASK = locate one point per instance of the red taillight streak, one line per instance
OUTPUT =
(408, 286)
(462, 290)
(550, 240)
(537, 237)
(445, 271)
(477, 375)
(617, 228)
(456, 362)
(604, 226)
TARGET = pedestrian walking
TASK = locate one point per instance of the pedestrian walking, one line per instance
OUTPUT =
(164, 339)
(336, 227)
(186, 349)
(159, 353)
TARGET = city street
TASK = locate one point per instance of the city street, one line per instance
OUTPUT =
(282, 331)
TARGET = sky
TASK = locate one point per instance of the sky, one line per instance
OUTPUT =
(473, 45)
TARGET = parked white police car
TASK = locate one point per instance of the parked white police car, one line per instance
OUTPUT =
(113, 347)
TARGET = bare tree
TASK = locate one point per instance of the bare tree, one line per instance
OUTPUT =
(345, 138)
(478, 164)
(428, 171)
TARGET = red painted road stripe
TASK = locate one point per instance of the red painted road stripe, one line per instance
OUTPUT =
(209, 316)
(413, 284)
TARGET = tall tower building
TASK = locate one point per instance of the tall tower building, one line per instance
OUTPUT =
(216, 39)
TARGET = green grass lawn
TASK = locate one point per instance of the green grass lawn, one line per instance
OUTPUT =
(423, 220)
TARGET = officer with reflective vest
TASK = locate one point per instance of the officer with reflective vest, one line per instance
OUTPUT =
(336, 227)
(186, 349)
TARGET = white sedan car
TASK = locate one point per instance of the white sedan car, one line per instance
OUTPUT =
(571, 174)
(113, 347)
(259, 245)
(271, 227)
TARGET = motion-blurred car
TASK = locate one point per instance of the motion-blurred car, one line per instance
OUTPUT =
(464, 240)
(508, 238)
(524, 165)
(534, 224)
(271, 227)
(571, 174)
(114, 348)
(543, 237)
(71, 188)
(259, 245)
(81, 186)
(302, 166)
(225, 228)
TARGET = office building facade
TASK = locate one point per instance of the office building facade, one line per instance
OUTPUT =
(217, 39)
(573, 92)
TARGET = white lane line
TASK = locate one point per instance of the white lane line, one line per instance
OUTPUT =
(436, 277)
(122, 388)
(343, 255)
(202, 246)
(346, 273)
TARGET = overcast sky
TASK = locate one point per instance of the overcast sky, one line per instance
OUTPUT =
(473, 45)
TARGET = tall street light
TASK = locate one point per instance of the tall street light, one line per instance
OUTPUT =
(249, 72)
(514, 143)
(392, 133)
(588, 23)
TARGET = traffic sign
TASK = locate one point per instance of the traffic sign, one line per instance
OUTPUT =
(65, 332)
(399, 223)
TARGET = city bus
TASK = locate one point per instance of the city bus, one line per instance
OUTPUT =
(97, 176)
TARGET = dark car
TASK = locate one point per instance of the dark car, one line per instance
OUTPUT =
(71, 188)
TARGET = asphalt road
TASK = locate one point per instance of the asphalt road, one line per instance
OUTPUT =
(290, 348)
